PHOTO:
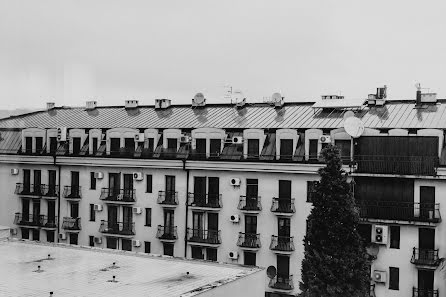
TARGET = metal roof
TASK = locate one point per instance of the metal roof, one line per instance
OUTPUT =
(394, 114)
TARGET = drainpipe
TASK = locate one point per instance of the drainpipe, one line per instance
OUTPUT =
(187, 207)
(58, 198)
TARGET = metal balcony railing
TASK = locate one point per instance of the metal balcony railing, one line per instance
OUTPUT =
(426, 257)
(49, 190)
(72, 192)
(28, 219)
(403, 211)
(424, 293)
(117, 228)
(283, 205)
(282, 243)
(205, 200)
(28, 189)
(48, 221)
(118, 195)
(404, 165)
(167, 232)
(250, 203)
(167, 197)
(70, 223)
(248, 240)
(282, 282)
(203, 236)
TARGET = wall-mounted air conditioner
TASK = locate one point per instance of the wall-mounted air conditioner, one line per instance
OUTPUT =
(14, 171)
(136, 242)
(98, 175)
(237, 140)
(98, 240)
(234, 218)
(380, 234)
(233, 255)
(235, 181)
(138, 176)
(379, 276)
(139, 137)
(137, 210)
(185, 139)
(97, 207)
(62, 236)
(324, 139)
(62, 134)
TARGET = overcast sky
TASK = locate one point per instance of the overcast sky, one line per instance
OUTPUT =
(110, 51)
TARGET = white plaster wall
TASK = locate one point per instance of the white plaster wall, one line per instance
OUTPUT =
(247, 286)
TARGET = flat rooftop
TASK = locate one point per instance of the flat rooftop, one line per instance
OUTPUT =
(81, 271)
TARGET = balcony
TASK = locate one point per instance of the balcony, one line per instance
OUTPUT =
(424, 293)
(250, 204)
(49, 191)
(200, 236)
(249, 241)
(28, 220)
(72, 192)
(117, 228)
(280, 282)
(400, 165)
(283, 206)
(282, 244)
(167, 233)
(212, 201)
(72, 224)
(376, 211)
(29, 190)
(48, 222)
(124, 196)
(168, 198)
(425, 258)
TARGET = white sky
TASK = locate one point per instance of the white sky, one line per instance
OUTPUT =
(73, 51)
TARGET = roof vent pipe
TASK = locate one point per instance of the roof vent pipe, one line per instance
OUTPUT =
(418, 101)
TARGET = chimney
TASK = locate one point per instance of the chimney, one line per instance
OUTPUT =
(131, 104)
(162, 103)
(50, 105)
(418, 101)
(91, 105)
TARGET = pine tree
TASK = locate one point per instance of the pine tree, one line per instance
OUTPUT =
(335, 258)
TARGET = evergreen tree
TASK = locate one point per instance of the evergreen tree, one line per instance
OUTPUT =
(335, 258)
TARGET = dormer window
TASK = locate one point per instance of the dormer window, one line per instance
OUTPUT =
(286, 149)
(115, 144)
(28, 145)
(215, 147)
(95, 145)
(344, 148)
(172, 144)
(76, 145)
(129, 145)
(200, 147)
(39, 144)
(313, 152)
(151, 144)
(53, 145)
(253, 148)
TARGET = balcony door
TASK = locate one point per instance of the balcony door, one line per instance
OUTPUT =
(284, 195)
(168, 222)
(200, 190)
(283, 233)
(213, 191)
(26, 180)
(283, 269)
(213, 227)
(127, 212)
(251, 230)
(197, 224)
(74, 183)
(252, 192)
(36, 211)
(425, 283)
(25, 209)
(128, 186)
(51, 182)
(74, 210)
(426, 243)
(112, 213)
(427, 202)
(286, 149)
(115, 145)
(51, 211)
(37, 181)
(114, 183)
(170, 188)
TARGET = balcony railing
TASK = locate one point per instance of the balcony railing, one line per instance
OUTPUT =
(71, 223)
(425, 257)
(28, 189)
(282, 243)
(283, 205)
(282, 282)
(167, 197)
(248, 240)
(403, 211)
(167, 232)
(424, 293)
(50, 191)
(118, 195)
(117, 228)
(49, 221)
(72, 192)
(249, 203)
(28, 219)
(203, 236)
(404, 165)
(205, 200)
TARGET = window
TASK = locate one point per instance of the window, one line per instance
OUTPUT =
(394, 237)
(310, 190)
(215, 147)
(249, 258)
(126, 244)
(53, 145)
(147, 247)
(95, 145)
(394, 278)
(286, 149)
(168, 249)
(92, 181)
(151, 142)
(365, 231)
(211, 254)
(28, 145)
(36, 234)
(148, 217)
(148, 183)
(200, 147)
(25, 233)
(73, 238)
(76, 145)
(112, 243)
(344, 149)
(197, 253)
(313, 145)
(39, 144)
(115, 145)
(253, 148)
(50, 236)
(91, 240)
(92, 213)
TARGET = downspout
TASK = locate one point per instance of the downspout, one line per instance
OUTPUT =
(187, 207)
(58, 198)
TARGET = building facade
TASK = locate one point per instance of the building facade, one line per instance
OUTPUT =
(230, 183)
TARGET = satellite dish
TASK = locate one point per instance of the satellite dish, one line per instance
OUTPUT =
(348, 114)
(199, 98)
(354, 127)
(276, 97)
(271, 271)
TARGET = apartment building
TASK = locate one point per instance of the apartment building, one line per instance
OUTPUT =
(231, 182)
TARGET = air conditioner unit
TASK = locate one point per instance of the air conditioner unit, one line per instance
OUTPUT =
(98, 175)
(380, 234)
(139, 137)
(235, 218)
(137, 210)
(235, 181)
(233, 255)
(136, 242)
(120, 197)
(62, 134)
(98, 240)
(98, 207)
(62, 236)
(14, 171)
(237, 140)
(324, 139)
(379, 276)
(185, 139)
(138, 176)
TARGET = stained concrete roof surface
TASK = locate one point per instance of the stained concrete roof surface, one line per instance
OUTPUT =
(75, 272)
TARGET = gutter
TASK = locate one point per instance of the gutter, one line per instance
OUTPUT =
(187, 207)
(58, 197)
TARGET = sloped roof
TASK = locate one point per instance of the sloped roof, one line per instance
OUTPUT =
(394, 114)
